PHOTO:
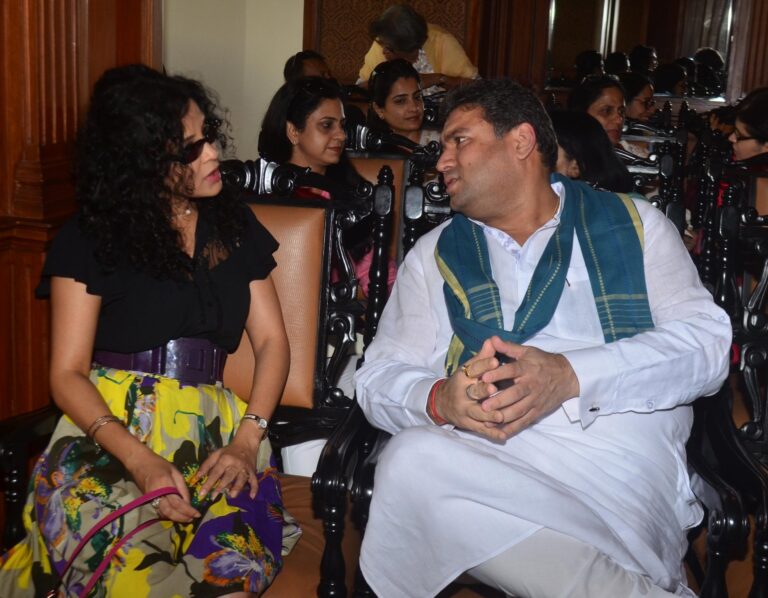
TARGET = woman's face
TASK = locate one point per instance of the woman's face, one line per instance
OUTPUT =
(642, 105)
(321, 142)
(403, 109)
(201, 176)
(608, 109)
(744, 146)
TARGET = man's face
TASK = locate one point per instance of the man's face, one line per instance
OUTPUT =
(475, 164)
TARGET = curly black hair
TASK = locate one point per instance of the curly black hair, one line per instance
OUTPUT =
(131, 139)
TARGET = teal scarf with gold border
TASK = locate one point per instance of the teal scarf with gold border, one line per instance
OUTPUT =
(610, 235)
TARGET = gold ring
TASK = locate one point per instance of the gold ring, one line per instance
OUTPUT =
(465, 369)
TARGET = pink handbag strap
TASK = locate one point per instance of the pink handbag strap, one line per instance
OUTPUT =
(134, 504)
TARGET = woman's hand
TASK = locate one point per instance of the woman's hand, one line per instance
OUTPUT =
(228, 469)
(150, 472)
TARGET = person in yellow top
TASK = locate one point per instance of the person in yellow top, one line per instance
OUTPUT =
(401, 32)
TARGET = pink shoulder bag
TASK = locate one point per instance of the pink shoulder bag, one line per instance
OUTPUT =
(134, 504)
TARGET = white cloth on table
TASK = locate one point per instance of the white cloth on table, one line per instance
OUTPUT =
(608, 468)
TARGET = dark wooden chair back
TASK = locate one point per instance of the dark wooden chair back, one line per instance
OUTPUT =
(369, 166)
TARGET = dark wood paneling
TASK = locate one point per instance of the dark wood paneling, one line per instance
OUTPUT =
(52, 53)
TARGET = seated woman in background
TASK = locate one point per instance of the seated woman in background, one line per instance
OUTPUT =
(397, 105)
(309, 63)
(638, 89)
(750, 134)
(602, 97)
(588, 62)
(670, 79)
(616, 63)
(584, 152)
(160, 260)
(638, 95)
(304, 126)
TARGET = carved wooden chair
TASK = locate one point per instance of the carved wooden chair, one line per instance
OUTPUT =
(318, 313)
(734, 264)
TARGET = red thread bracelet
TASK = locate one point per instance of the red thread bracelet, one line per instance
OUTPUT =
(431, 409)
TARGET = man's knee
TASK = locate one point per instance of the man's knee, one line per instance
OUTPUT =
(411, 452)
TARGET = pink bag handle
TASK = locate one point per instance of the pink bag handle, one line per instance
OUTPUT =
(137, 502)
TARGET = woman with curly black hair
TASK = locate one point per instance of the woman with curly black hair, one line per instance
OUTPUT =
(151, 286)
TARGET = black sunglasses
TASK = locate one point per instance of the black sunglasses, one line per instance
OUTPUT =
(192, 151)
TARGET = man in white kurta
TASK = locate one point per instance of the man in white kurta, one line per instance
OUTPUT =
(590, 440)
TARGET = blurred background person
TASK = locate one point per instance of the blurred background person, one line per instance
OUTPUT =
(588, 62)
(584, 152)
(306, 63)
(710, 71)
(670, 79)
(643, 59)
(602, 97)
(638, 94)
(401, 32)
(750, 134)
(616, 63)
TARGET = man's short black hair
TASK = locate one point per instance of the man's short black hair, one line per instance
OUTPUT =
(294, 66)
(505, 105)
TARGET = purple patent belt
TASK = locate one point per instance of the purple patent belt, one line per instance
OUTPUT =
(191, 361)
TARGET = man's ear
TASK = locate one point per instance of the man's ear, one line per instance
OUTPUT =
(522, 141)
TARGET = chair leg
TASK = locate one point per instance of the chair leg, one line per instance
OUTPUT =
(362, 589)
(760, 582)
(721, 531)
(332, 570)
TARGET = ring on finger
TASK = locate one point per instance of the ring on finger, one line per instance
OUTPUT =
(465, 369)
(156, 503)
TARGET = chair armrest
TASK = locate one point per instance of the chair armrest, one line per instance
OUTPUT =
(20, 437)
(716, 454)
(343, 451)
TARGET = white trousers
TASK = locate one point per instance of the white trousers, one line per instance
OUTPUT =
(549, 564)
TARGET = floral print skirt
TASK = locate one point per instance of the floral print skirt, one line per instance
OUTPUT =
(237, 545)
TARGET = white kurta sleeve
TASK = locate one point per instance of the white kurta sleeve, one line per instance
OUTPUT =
(683, 357)
(394, 382)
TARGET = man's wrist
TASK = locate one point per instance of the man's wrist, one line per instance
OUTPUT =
(431, 403)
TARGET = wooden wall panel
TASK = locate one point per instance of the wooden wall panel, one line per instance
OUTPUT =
(514, 40)
(26, 360)
(755, 72)
(52, 53)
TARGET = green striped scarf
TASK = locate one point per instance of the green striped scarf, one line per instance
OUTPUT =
(610, 234)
